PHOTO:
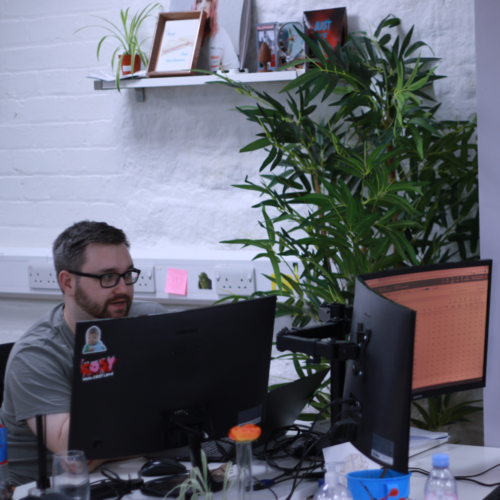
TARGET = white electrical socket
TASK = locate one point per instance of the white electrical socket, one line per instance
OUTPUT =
(234, 280)
(146, 281)
(42, 276)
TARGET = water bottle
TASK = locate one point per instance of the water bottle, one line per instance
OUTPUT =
(4, 467)
(333, 489)
(441, 484)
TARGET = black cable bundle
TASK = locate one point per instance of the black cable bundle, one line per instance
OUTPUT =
(113, 486)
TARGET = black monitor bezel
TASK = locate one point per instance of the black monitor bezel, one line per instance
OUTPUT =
(462, 385)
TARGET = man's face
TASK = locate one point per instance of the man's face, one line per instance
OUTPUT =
(92, 338)
(90, 297)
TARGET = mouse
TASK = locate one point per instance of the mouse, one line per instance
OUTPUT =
(162, 467)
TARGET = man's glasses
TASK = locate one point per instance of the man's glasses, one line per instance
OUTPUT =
(109, 280)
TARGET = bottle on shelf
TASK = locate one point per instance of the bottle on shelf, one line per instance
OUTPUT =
(333, 489)
(441, 484)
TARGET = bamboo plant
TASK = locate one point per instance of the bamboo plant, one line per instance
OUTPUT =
(360, 174)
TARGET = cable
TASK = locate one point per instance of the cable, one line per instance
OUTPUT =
(461, 478)
(113, 486)
(305, 452)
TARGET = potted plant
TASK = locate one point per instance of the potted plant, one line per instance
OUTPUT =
(376, 182)
(129, 48)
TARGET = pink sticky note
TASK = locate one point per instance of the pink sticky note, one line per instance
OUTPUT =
(177, 280)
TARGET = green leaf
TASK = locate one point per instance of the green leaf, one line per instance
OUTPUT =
(258, 144)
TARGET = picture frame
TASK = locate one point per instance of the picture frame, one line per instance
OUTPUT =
(176, 45)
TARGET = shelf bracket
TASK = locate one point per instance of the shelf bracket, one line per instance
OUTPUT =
(140, 95)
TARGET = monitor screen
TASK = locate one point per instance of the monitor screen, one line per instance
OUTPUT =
(452, 305)
(380, 378)
(153, 377)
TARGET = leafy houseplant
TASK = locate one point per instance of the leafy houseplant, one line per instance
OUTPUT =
(127, 36)
(360, 175)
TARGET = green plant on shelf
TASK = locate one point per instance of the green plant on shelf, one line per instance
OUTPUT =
(359, 173)
(127, 37)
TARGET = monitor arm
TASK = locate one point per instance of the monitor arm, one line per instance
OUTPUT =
(328, 341)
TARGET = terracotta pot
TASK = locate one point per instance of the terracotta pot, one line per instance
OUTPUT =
(126, 62)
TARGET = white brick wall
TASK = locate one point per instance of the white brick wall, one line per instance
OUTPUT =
(162, 170)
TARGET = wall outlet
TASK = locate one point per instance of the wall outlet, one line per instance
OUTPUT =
(234, 280)
(42, 276)
(146, 281)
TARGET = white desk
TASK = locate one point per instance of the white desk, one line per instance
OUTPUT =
(259, 469)
(464, 460)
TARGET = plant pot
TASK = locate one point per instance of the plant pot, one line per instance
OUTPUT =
(126, 64)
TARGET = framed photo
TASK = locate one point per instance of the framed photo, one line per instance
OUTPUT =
(177, 42)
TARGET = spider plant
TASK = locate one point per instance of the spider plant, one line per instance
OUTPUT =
(127, 36)
(197, 485)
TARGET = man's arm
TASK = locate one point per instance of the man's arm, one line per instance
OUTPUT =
(57, 435)
(56, 431)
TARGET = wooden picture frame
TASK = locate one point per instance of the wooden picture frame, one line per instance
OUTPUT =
(175, 51)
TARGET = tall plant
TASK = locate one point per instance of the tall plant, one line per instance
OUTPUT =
(376, 183)
(360, 175)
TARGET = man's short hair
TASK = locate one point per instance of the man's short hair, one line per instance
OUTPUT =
(69, 247)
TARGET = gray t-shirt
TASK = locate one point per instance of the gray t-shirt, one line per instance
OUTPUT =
(38, 382)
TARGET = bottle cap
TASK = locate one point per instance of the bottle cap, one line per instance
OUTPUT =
(440, 460)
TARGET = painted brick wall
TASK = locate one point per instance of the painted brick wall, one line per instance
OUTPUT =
(163, 169)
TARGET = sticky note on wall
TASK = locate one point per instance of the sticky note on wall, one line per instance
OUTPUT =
(176, 281)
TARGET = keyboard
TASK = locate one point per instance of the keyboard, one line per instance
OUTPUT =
(494, 495)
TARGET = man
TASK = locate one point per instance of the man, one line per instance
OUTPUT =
(96, 275)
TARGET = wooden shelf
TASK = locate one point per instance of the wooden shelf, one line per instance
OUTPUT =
(139, 84)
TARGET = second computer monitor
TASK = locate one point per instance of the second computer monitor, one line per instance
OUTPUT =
(452, 305)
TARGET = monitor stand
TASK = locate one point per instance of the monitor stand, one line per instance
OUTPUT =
(189, 425)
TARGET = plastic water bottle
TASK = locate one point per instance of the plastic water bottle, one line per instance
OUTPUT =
(333, 489)
(441, 484)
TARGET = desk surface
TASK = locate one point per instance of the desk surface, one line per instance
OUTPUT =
(259, 469)
(464, 460)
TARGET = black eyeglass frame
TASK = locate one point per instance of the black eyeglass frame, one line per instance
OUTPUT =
(100, 276)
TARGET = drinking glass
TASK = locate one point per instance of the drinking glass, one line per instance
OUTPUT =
(70, 475)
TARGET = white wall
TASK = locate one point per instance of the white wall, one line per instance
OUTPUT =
(488, 17)
(162, 170)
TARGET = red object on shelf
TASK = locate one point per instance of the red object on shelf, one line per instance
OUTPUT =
(126, 62)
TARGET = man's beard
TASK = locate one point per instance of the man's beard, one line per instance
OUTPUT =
(96, 310)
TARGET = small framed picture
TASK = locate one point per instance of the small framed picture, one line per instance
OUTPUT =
(176, 43)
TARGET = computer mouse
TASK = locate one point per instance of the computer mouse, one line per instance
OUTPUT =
(162, 467)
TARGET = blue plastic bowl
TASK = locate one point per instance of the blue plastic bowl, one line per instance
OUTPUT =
(359, 481)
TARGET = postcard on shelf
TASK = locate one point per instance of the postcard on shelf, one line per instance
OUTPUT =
(328, 24)
(176, 43)
(291, 46)
(225, 31)
(267, 48)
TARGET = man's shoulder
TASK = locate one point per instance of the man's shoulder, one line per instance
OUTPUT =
(42, 339)
(140, 308)
(45, 327)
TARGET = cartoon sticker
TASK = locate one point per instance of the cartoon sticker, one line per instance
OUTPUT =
(94, 342)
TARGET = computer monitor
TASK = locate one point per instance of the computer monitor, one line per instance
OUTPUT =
(452, 303)
(164, 376)
(379, 380)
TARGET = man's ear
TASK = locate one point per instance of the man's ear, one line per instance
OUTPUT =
(67, 283)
